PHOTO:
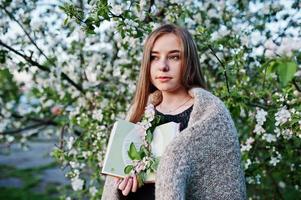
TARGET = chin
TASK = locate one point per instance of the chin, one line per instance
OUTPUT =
(167, 88)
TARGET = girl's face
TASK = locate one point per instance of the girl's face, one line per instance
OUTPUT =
(165, 66)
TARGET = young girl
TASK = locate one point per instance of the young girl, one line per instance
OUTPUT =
(203, 160)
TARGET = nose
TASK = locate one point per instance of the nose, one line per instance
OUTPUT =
(164, 65)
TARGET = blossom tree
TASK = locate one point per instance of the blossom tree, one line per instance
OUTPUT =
(81, 60)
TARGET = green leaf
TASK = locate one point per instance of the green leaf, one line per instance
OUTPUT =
(149, 136)
(270, 65)
(155, 164)
(140, 178)
(144, 151)
(286, 71)
(128, 169)
(133, 153)
(66, 21)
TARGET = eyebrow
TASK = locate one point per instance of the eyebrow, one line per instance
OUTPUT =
(172, 51)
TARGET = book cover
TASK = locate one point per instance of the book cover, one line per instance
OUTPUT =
(123, 134)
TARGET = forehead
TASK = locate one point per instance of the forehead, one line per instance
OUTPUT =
(166, 43)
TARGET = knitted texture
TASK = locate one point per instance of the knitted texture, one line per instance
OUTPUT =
(203, 161)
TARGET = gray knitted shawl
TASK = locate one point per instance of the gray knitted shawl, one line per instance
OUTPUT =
(203, 161)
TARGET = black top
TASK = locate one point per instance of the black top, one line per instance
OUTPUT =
(147, 191)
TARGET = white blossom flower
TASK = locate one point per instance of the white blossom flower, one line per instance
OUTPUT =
(23, 139)
(257, 179)
(74, 164)
(246, 147)
(269, 44)
(150, 112)
(10, 138)
(93, 190)
(250, 140)
(242, 113)
(274, 161)
(282, 116)
(70, 142)
(222, 32)
(287, 133)
(269, 137)
(36, 23)
(145, 124)
(250, 180)
(97, 115)
(140, 165)
(281, 184)
(117, 9)
(248, 163)
(298, 73)
(258, 129)
(261, 116)
(86, 154)
(77, 183)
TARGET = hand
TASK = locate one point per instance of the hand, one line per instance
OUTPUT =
(128, 184)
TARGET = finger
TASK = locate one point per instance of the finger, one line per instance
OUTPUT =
(117, 181)
(128, 187)
(135, 184)
(123, 183)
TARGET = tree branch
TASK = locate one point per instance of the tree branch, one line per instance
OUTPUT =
(36, 125)
(225, 72)
(27, 58)
(42, 67)
(26, 33)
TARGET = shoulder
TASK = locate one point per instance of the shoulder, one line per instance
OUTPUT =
(207, 105)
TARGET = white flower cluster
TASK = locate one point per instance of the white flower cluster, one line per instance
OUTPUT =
(77, 183)
(222, 32)
(75, 165)
(287, 46)
(275, 160)
(254, 180)
(36, 24)
(97, 115)
(247, 164)
(150, 112)
(269, 137)
(260, 119)
(282, 116)
(149, 115)
(287, 133)
(140, 165)
(248, 145)
(70, 142)
(93, 191)
(130, 26)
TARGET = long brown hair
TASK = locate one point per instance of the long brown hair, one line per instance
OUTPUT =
(192, 75)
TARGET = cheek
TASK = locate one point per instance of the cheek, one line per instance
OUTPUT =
(152, 73)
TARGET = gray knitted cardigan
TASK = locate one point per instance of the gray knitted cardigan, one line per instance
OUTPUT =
(203, 161)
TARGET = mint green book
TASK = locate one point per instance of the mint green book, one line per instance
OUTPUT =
(123, 134)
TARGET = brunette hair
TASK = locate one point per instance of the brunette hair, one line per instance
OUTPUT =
(192, 75)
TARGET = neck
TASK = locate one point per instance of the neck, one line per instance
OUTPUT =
(172, 99)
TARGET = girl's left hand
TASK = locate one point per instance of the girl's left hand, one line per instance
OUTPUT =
(128, 184)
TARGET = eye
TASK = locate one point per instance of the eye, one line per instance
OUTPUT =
(154, 57)
(174, 57)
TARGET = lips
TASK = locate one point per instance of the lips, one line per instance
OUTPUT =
(164, 78)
